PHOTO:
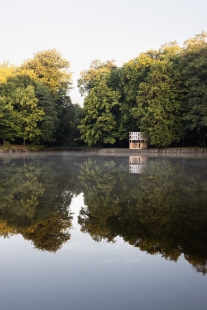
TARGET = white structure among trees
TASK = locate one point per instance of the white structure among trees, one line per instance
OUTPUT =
(137, 140)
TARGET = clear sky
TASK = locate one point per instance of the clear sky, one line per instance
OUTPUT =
(84, 30)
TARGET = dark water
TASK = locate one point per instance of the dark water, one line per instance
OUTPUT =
(82, 232)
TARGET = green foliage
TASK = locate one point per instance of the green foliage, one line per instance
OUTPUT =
(194, 74)
(99, 122)
(159, 100)
(25, 102)
(105, 116)
(161, 92)
(134, 72)
(7, 145)
(34, 104)
(69, 117)
(51, 69)
(50, 120)
(6, 70)
(89, 78)
(9, 120)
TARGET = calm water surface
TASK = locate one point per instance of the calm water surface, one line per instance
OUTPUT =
(90, 232)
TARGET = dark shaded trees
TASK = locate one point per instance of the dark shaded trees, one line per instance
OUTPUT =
(50, 120)
(194, 74)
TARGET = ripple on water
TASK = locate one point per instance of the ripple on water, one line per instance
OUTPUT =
(24, 285)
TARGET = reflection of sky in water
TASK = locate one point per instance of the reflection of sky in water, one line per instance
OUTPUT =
(89, 275)
(85, 274)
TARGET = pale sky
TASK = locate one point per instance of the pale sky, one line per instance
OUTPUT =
(85, 30)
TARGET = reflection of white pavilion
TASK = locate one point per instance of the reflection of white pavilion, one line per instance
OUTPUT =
(137, 140)
(137, 164)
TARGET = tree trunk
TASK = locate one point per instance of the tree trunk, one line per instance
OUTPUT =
(203, 136)
(24, 142)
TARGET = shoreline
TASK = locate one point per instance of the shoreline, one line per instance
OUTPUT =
(179, 151)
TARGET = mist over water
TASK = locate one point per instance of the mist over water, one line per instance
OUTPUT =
(91, 232)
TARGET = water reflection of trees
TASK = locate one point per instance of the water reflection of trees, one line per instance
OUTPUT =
(162, 211)
(34, 202)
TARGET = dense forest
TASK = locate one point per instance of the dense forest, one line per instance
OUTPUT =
(161, 92)
(34, 101)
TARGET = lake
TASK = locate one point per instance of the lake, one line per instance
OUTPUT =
(102, 232)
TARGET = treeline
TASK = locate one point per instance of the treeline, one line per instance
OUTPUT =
(34, 101)
(161, 92)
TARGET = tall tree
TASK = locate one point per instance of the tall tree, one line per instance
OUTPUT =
(50, 68)
(99, 124)
(25, 103)
(50, 121)
(20, 114)
(6, 70)
(134, 72)
(9, 121)
(105, 112)
(194, 74)
(89, 78)
(159, 99)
